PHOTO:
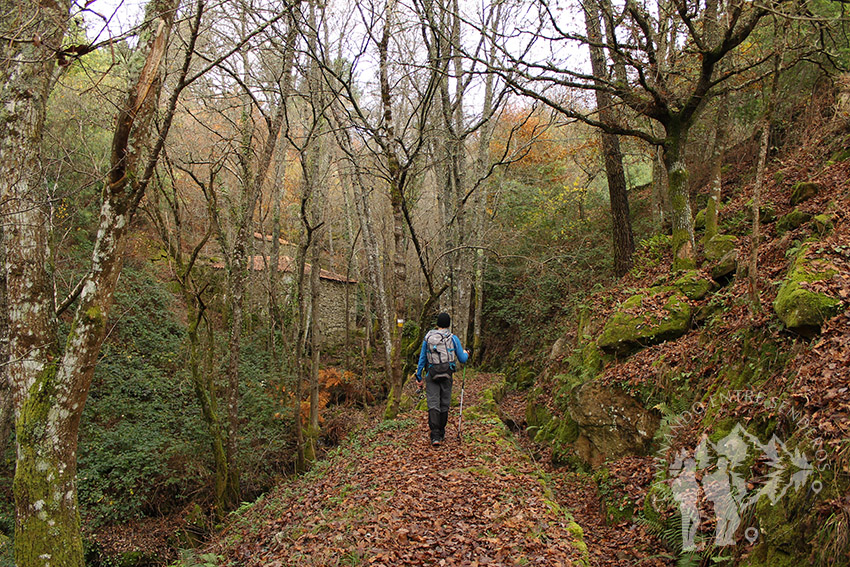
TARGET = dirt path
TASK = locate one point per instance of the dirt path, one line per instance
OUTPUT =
(615, 544)
(386, 497)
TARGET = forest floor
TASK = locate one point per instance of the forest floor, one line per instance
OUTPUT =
(386, 497)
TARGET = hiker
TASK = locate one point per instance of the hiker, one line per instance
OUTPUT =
(441, 350)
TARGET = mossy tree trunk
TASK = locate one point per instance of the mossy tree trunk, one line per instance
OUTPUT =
(203, 384)
(396, 178)
(684, 257)
(715, 181)
(50, 381)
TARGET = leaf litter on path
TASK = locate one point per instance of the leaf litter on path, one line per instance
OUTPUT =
(386, 497)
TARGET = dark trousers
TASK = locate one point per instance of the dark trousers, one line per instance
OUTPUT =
(438, 393)
(439, 396)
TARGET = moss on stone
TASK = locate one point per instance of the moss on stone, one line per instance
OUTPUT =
(578, 533)
(767, 213)
(693, 285)
(632, 328)
(536, 415)
(567, 431)
(804, 191)
(726, 267)
(803, 310)
(718, 246)
(406, 403)
(785, 529)
(792, 220)
(823, 224)
(616, 506)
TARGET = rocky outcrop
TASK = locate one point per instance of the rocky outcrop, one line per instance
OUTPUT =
(719, 246)
(794, 219)
(611, 424)
(694, 285)
(657, 315)
(823, 224)
(804, 191)
(722, 255)
(800, 307)
(726, 267)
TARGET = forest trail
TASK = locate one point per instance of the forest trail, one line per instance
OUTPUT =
(386, 497)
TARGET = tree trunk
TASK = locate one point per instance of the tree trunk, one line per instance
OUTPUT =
(6, 407)
(755, 236)
(621, 223)
(396, 175)
(399, 288)
(661, 209)
(203, 384)
(715, 182)
(315, 342)
(682, 219)
(50, 385)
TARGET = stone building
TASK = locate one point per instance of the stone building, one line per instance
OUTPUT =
(336, 292)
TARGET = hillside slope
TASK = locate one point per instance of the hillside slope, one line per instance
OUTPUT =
(689, 365)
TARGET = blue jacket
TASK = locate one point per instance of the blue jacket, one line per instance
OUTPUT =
(423, 356)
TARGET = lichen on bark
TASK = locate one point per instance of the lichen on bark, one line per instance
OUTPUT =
(45, 493)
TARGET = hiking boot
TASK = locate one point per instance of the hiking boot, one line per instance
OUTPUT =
(435, 441)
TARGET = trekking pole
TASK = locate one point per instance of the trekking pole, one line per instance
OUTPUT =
(460, 417)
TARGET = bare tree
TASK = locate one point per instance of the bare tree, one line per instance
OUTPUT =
(50, 381)
(621, 223)
(169, 217)
(668, 90)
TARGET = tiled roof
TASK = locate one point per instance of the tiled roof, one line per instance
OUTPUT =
(287, 265)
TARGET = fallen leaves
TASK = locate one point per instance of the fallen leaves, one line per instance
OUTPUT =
(395, 500)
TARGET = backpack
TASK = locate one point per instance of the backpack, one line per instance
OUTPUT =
(440, 354)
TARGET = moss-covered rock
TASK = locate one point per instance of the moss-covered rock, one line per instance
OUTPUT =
(407, 403)
(719, 245)
(726, 266)
(804, 191)
(794, 219)
(657, 315)
(522, 377)
(767, 213)
(785, 529)
(615, 504)
(823, 224)
(693, 284)
(559, 349)
(611, 423)
(800, 308)
(536, 414)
